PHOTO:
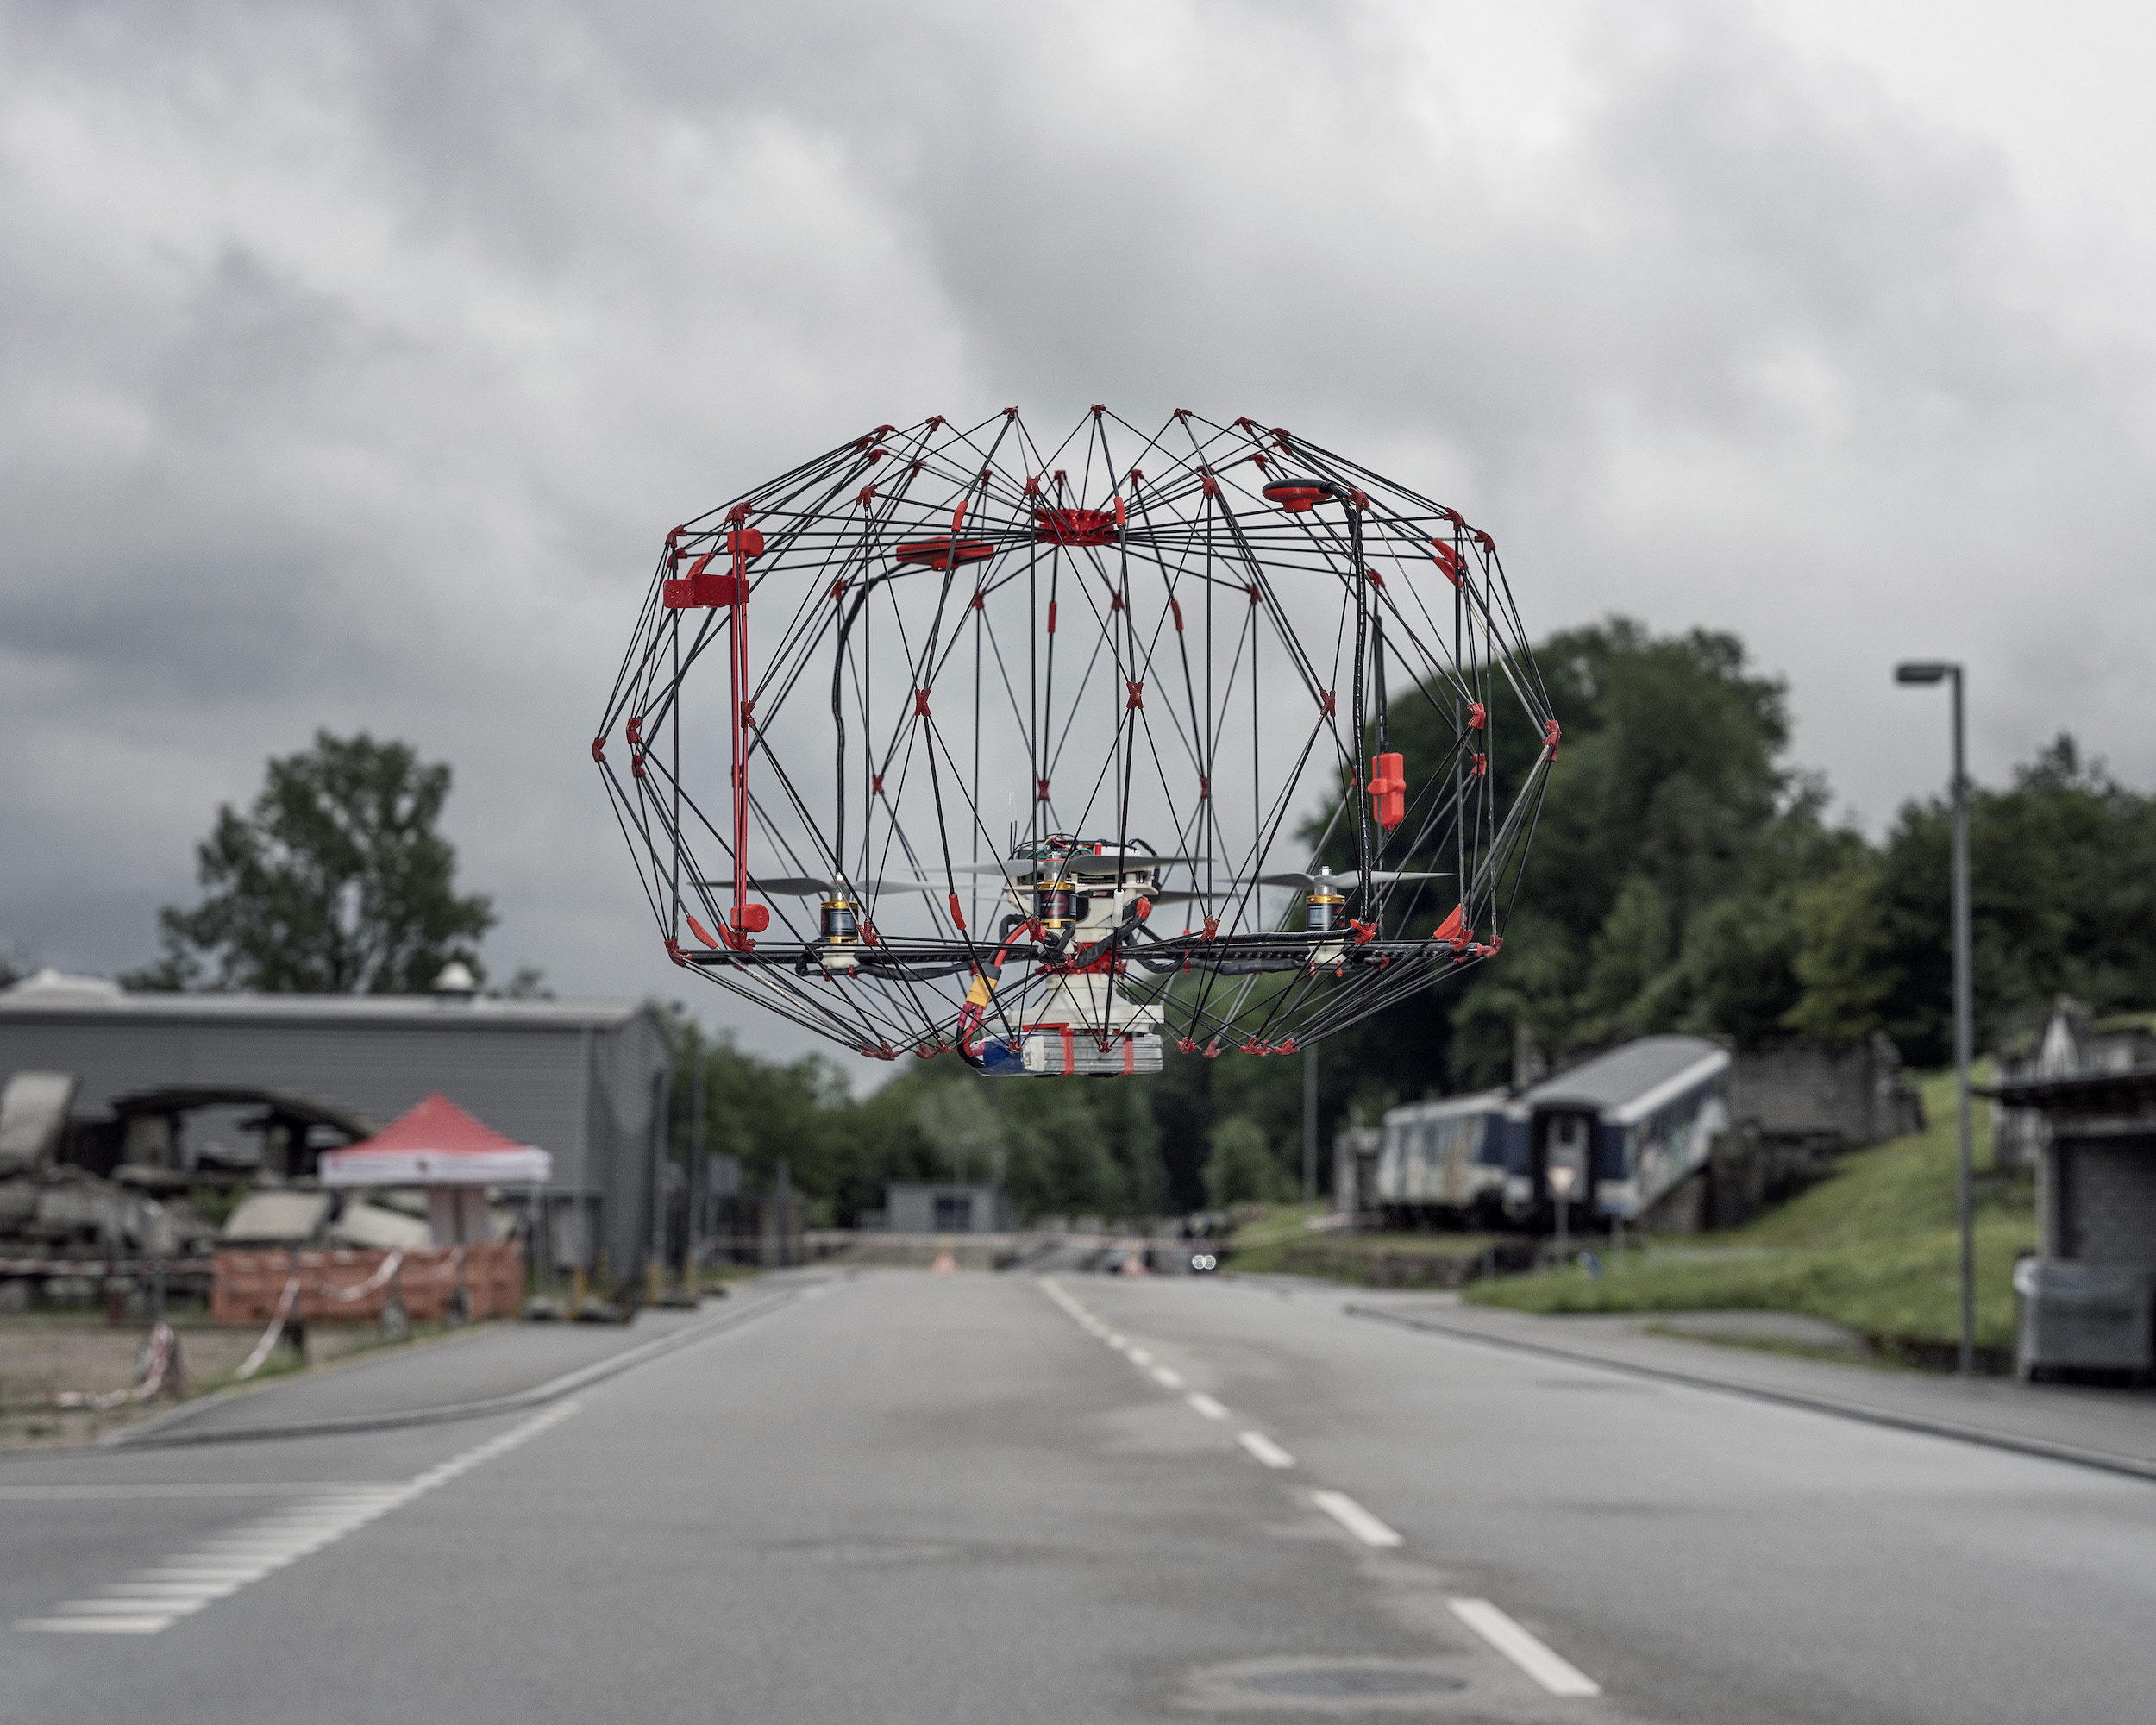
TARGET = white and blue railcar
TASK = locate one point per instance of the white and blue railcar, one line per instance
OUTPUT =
(1441, 1161)
(1628, 1127)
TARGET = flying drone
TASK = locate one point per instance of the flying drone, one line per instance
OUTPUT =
(945, 740)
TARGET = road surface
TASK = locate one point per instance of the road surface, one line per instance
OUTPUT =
(899, 1497)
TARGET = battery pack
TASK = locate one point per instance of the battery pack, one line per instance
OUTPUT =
(1077, 1053)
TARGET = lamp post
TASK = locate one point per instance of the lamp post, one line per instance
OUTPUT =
(1935, 671)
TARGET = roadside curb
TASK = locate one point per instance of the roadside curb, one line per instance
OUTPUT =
(2132, 1467)
(160, 1434)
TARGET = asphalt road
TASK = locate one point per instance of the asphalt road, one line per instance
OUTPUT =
(979, 1498)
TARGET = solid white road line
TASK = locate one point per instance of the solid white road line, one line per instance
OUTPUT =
(155, 1598)
(1356, 1519)
(1205, 1404)
(1558, 1676)
(1265, 1449)
(68, 1493)
(1166, 1378)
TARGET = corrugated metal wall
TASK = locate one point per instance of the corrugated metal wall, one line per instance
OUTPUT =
(589, 1088)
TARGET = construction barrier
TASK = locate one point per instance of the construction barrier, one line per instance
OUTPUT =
(356, 1287)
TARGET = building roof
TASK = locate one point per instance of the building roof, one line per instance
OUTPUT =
(2129, 1091)
(91, 999)
(1633, 1079)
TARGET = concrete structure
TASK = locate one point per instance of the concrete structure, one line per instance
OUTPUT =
(928, 1207)
(587, 1082)
(2088, 1299)
(2069, 1038)
(1832, 1096)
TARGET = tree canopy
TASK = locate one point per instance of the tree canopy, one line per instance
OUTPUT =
(337, 879)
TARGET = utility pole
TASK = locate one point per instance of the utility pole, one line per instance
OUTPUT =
(1310, 1124)
(1934, 671)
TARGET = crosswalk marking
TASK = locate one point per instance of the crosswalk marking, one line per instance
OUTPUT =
(155, 1598)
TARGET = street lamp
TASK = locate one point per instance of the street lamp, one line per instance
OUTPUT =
(1935, 671)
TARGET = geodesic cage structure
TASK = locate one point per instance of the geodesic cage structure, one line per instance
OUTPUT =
(947, 740)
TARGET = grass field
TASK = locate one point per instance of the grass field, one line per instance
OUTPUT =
(1875, 1248)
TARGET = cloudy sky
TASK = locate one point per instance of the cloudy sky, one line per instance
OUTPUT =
(354, 360)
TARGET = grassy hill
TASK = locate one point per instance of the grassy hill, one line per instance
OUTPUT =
(1874, 1248)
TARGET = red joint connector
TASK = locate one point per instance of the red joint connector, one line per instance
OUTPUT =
(749, 714)
(1325, 703)
(1183, 413)
(1365, 933)
(1375, 580)
(1359, 499)
(1258, 457)
(1051, 616)
(1280, 437)
(958, 915)
(1447, 560)
(875, 785)
(1480, 768)
(1256, 597)
(1207, 483)
(1204, 787)
(1041, 795)
(636, 763)
(1115, 603)
(883, 430)
(737, 514)
(1478, 715)
(635, 733)
(1032, 487)
(598, 748)
(1098, 410)
(920, 703)
(868, 495)
(979, 600)
(1010, 413)
(1212, 927)
(674, 952)
(1551, 733)
(1176, 606)
(934, 420)
(1484, 540)
(838, 588)
(1247, 423)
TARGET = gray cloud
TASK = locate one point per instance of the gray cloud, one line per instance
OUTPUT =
(355, 362)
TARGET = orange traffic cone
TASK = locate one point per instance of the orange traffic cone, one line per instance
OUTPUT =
(945, 1264)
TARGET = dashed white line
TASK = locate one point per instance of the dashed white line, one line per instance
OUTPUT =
(1166, 1378)
(1265, 1449)
(1558, 1675)
(1205, 1404)
(155, 1598)
(1356, 1520)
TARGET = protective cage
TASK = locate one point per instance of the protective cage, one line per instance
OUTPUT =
(928, 742)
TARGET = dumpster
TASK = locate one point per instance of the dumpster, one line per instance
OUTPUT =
(2072, 1315)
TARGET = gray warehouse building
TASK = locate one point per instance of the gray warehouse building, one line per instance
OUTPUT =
(585, 1081)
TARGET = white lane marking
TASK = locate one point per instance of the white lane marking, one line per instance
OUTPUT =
(1356, 1519)
(1558, 1676)
(1205, 1404)
(70, 1494)
(1166, 1378)
(1138, 1356)
(1115, 1341)
(1265, 1449)
(154, 1599)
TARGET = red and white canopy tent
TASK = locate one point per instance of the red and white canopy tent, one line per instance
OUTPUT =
(438, 1145)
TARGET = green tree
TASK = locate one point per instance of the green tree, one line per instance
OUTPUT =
(1841, 956)
(1241, 1167)
(335, 881)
